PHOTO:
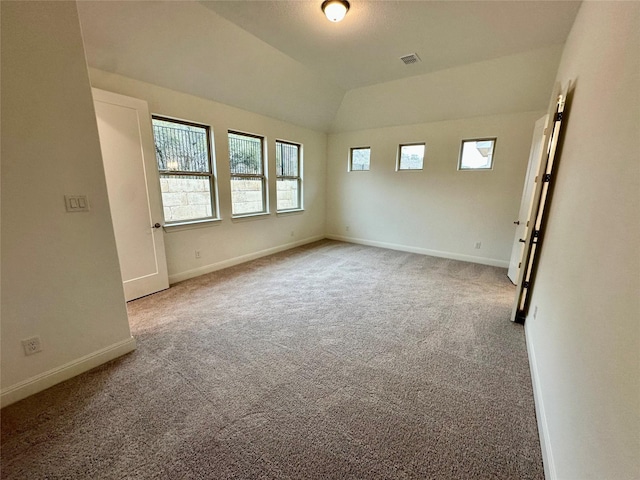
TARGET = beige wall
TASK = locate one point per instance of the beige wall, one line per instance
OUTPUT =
(233, 240)
(60, 274)
(439, 210)
(225, 63)
(511, 84)
(584, 342)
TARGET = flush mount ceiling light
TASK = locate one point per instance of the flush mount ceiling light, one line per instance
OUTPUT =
(335, 10)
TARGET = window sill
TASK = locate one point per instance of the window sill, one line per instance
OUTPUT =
(178, 227)
(250, 216)
(296, 211)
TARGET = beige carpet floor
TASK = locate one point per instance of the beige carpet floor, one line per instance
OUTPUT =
(329, 361)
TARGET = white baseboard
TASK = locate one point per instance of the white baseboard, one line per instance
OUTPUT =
(48, 379)
(543, 428)
(424, 251)
(196, 272)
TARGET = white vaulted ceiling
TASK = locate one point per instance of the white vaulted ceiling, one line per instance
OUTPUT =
(284, 59)
(364, 48)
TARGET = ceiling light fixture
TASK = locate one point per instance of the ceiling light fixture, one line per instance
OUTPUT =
(335, 10)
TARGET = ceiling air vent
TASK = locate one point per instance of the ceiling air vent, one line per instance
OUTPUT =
(411, 58)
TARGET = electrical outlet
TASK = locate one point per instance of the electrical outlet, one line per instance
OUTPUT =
(197, 253)
(478, 245)
(31, 345)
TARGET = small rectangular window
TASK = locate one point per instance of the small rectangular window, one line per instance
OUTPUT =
(183, 153)
(248, 181)
(411, 156)
(288, 176)
(477, 154)
(360, 159)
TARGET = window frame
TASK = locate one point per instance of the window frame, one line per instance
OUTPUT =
(477, 169)
(211, 174)
(399, 156)
(350, 166)
(298, 178)
(250, 176)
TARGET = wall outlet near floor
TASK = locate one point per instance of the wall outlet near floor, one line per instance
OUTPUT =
(197, 253)
(478, 245)
(31, 345)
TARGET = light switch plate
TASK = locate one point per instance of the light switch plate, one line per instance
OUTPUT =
(76, 203)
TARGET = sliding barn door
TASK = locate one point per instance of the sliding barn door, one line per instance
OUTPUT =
(534, 236)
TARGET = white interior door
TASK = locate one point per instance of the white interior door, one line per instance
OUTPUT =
(526, 203)
(128, 153)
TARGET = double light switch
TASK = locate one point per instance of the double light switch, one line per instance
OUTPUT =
(76, 203)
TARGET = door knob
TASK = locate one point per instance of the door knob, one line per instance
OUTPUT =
(157, 225)
(517, 222)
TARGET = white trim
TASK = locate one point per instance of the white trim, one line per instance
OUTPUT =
(64, 372)
(543, 427)
(250, 216)
(196, 272)
(289, 212)
(423, 251)
(179, 226)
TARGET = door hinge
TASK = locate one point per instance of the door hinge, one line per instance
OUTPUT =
(525, 284)
(558, 116)
(546, 178)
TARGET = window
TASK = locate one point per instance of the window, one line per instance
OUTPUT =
(360, 159)
(183, 152)
(288, 178)
(248, 185)
(477, 154)
(411, 156)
